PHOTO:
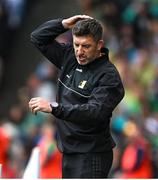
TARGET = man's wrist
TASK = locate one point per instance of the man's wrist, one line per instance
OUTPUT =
(64, 24)
(54, 105)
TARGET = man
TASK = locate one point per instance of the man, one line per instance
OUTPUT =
(89, 89)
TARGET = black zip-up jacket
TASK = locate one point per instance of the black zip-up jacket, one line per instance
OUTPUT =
(87, 95)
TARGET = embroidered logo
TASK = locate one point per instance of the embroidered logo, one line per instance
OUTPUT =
(82, 84)
(79, 70)
(68, 76)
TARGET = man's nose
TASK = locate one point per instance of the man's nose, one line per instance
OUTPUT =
(80, 50)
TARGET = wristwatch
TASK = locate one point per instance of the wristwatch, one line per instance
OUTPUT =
(54, 104)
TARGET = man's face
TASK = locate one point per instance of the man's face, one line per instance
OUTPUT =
(86, 49)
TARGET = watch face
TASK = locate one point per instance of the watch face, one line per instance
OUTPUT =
(54, 104)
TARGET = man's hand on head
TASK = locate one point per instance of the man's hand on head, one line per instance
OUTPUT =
(70, 22)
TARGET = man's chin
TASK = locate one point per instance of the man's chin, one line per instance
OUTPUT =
(82, 62)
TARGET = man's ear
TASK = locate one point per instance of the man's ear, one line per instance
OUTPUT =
(100, 44)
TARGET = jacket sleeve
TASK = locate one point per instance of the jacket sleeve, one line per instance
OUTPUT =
(104, 98)
(44, 39)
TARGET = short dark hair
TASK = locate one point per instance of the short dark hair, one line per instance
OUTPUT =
(88, 27)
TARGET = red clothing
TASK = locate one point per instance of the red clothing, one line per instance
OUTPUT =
(50, 157)
(7, 172)
(52, 168)
(130, 166)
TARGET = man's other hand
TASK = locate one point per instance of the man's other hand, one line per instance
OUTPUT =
(39, 104)
(70, 22)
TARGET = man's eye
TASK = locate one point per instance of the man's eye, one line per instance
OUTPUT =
(76, 45)
(86, 46)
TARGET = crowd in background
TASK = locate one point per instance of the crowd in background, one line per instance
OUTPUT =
(13, 14)
(131, 34)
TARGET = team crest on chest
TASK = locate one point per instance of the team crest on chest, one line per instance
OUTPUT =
(82, 84)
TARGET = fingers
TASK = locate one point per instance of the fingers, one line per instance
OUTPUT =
(39, 104)
(35, 110)
(34, 105)
(35, 99)
(86, 17)
(70, 22)
(81, 17)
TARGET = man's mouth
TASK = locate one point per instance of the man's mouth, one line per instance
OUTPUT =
(82, 58)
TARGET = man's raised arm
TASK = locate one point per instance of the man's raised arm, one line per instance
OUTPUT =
(43, 37)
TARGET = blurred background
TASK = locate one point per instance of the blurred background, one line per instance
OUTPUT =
(130, 33)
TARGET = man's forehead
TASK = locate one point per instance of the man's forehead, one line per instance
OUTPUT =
(81, 39)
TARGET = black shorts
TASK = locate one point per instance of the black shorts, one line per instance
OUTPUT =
(87, 165)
